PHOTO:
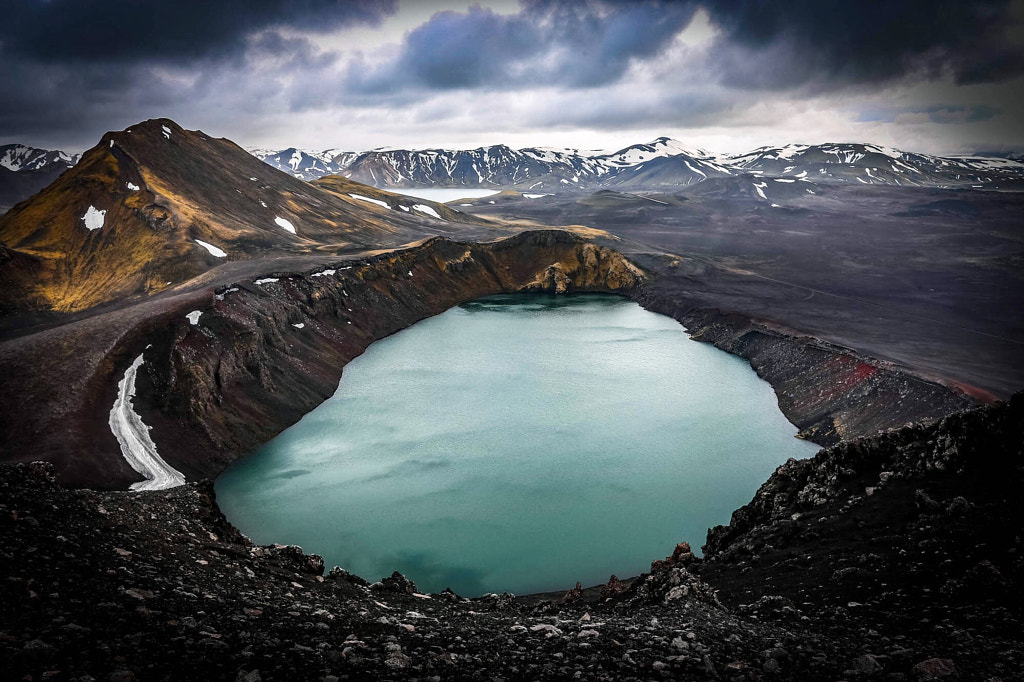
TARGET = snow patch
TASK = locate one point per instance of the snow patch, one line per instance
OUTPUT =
(132, 186)
(266, 280)
(93, 218)
(220, 297)
(214, 251)
(167, 132)
(324, 273)
(528, 196)
(282, 223)
(299, 325)
(132, 435)
(423, 208)
(193, 317)
(372, 201)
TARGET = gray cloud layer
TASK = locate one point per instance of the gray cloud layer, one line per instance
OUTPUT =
(762, 45)
(72, 69)
(849, 41)
(568, 44)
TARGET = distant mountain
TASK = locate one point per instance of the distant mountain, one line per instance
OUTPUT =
(876, 165)
(500, 166)
(26, 170)
(660, 164)
(18, 157)
(664, 163)
(306, 165)
(154, 205)
(1013, 155)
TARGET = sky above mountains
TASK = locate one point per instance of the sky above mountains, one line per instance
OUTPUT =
(937, 76)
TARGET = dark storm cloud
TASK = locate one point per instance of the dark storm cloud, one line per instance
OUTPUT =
(564, 42)
(73, 69)
(762, 44)
(121, 30)
(778, 45)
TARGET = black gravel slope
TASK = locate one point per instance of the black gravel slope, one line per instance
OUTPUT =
(896, 557)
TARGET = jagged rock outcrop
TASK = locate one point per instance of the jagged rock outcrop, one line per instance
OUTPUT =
(910, 537)
(670, 579)
(589, 267)
(984, 442)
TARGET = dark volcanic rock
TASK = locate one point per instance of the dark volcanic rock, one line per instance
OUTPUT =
(397, 583)
(911, 534)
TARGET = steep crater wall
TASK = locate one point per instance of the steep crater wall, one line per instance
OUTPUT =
(264, 354)
(832, 394)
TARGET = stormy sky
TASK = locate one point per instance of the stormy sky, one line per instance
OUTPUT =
(937, 76)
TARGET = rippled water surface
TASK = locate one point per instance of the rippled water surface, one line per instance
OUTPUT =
(518, 443)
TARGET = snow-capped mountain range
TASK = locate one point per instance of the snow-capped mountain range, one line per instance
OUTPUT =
(306, 165)
(495, 166)
(18, 158)
(661, 163)
(25, 170)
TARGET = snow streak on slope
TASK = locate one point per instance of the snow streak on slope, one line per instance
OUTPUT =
(133, 436)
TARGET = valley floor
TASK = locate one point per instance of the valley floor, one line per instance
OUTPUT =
(928, 278)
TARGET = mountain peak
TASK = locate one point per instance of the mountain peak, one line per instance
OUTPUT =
(155, 204)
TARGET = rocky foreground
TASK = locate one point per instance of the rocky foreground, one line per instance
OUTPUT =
(897, 557)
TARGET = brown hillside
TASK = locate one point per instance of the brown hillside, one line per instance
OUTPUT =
(189, 187)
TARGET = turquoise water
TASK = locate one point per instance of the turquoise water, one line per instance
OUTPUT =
(518, 443)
